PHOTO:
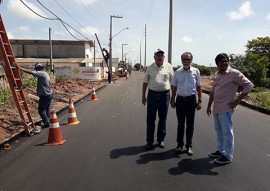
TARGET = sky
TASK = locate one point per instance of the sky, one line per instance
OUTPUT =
(203, 27)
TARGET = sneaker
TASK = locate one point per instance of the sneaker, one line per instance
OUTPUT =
(223, 160)
(189, 151)
(216, 154)
(161, 145)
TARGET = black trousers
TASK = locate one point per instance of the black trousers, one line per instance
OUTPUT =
(185, 112)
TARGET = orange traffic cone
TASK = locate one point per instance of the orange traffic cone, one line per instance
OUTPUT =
(72, 117)
(55, 135)
(94, 95)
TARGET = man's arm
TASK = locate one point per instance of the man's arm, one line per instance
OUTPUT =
(144, 87)
(173, 88)
(23, 69)
(210, 101)
(199, 90)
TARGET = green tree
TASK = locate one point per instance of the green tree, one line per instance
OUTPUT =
(204, 71)
(256, 63)
(258, 51)
(138, 66)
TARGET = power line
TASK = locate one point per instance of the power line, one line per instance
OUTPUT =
(63, 22)
(93, 16)
(37, 13)
(72, 17)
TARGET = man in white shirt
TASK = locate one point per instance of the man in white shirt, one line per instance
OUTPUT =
(157, 78)
(186, 85)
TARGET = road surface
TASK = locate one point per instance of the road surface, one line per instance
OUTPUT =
(105, 151)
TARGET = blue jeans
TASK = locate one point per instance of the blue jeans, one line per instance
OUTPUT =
(157, 102)
(224, 130)
(44, 107)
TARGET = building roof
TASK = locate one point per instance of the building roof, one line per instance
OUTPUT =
(59, 60)
(46, 42)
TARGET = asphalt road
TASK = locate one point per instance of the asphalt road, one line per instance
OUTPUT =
(105, 151)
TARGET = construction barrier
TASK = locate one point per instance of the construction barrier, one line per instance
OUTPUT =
(55, 135)
(72, 117)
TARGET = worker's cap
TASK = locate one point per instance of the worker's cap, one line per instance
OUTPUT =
(158, 51)
(38, 66)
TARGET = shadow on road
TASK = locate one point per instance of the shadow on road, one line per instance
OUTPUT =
(145, 158)
(128, 151)
(203, 166)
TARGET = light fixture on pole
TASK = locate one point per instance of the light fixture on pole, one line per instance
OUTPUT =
(123, 51)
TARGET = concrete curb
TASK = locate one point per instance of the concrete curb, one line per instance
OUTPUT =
(22, 133)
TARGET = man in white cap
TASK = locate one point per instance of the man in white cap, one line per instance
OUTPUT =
(158, 79)
(44, 91)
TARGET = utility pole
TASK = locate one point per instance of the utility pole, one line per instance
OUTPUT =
(123, 51)
(140, 56)
(110, 44)
(170, 33)
(94, 52)
(51, 64)
(145, 49)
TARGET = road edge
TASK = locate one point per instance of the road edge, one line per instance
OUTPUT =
(22, 133)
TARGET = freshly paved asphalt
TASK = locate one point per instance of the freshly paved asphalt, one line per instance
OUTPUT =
(105, 151)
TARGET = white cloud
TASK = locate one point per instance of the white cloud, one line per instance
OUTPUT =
(186, 39)
(219, 37)
(17, 8)
(24, 28)
(244, 10)
(90, 30)
(268, 17)
(86, 2)
(10, 35)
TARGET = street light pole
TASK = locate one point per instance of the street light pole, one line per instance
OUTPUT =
(110, 44)
(123, 52)
(170, 33)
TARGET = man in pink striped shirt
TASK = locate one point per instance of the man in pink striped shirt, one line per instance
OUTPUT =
(223, 94)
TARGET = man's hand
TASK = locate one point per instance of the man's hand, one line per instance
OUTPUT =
(144, 100)
(234, 103)
(172, 103)
(208, 111)
(16, 65)
(199, 105)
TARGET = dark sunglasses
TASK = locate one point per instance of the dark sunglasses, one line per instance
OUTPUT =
(185, 59)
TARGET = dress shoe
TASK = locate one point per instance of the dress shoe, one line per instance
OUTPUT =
(149, 147)
(189, 151)
(178, 149)
(161, 145)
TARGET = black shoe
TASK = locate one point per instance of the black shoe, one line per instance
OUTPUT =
(223, 160)
(189, 151)
(149, 147)
(178, 149)
(46, 125)
(216, 154)
(161, 145)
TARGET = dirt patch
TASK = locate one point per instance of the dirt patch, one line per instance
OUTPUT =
(63, 90)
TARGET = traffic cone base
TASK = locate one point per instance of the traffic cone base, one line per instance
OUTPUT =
(55, 135)
(72, 117)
